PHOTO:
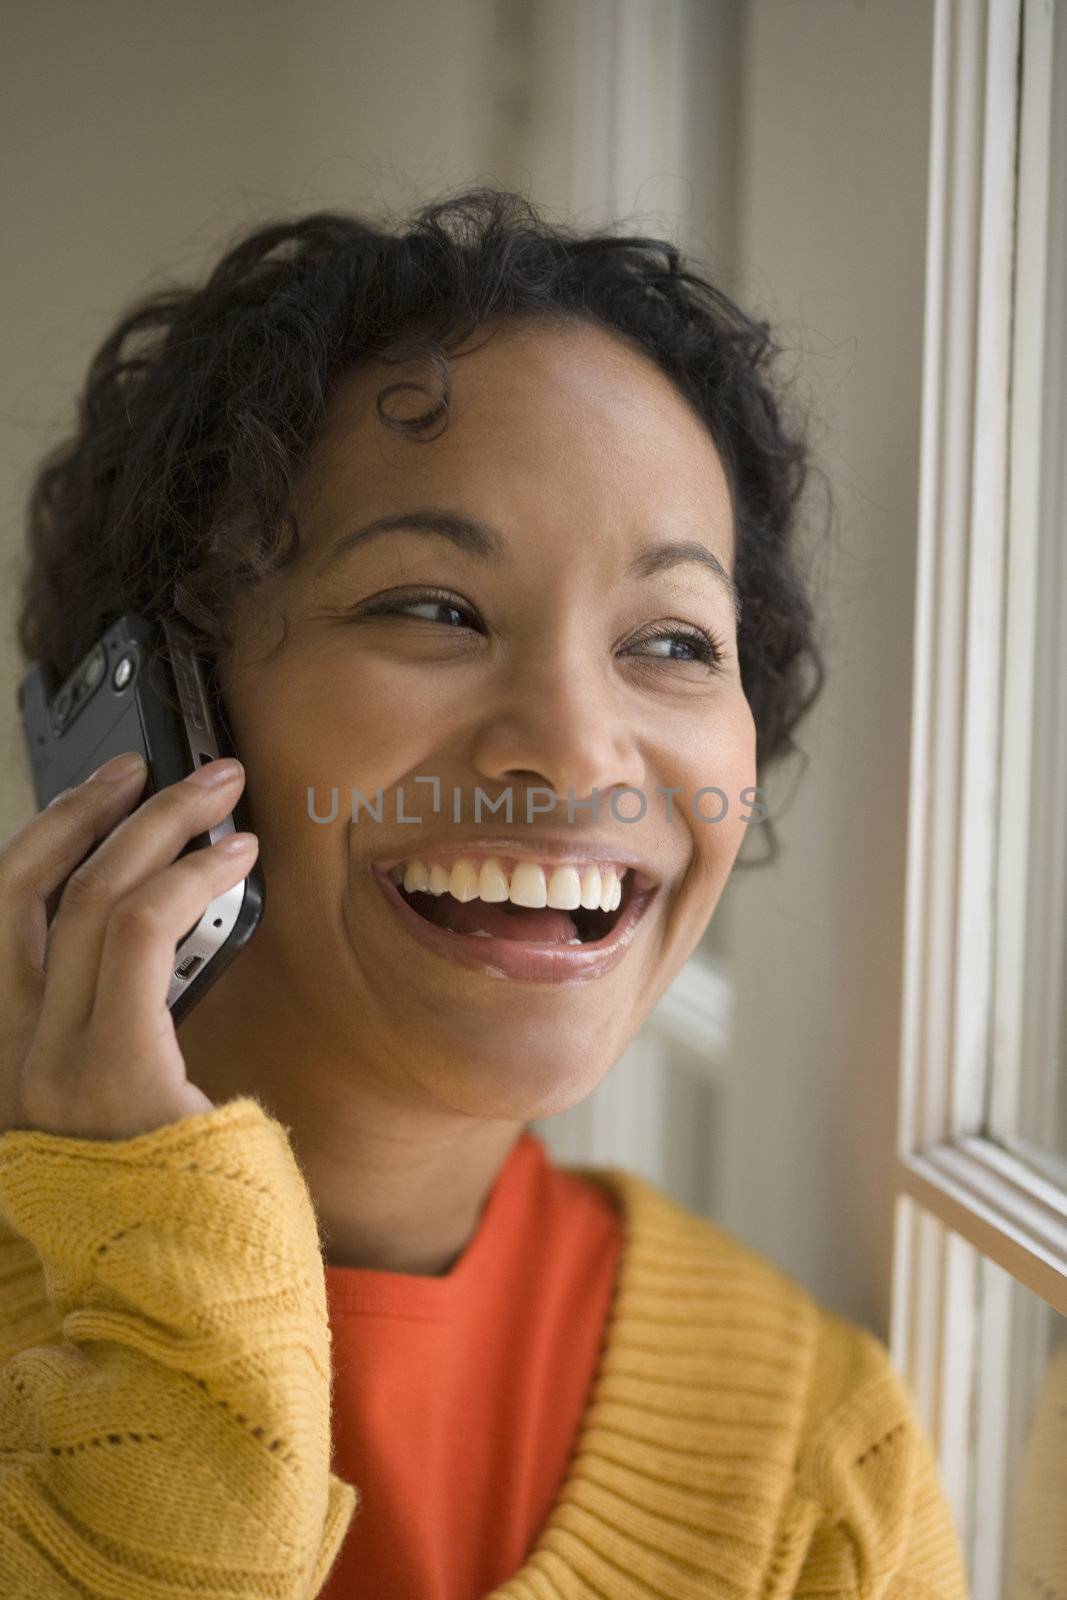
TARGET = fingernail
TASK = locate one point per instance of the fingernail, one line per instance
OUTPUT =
(119, 769)
(236, 843)
(217, 772)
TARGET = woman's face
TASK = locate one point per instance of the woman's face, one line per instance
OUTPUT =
(580, 454)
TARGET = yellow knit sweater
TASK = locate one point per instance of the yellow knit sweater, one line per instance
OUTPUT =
(166, 1385)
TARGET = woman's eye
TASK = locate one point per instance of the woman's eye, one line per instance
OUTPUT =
(427, 602)
(706, 647)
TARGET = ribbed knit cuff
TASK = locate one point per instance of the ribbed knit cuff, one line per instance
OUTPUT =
(187, 1266)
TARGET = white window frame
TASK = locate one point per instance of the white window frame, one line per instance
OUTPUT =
(956, 1188)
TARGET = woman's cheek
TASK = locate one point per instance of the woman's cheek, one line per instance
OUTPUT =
(715, 796)
(323, 750)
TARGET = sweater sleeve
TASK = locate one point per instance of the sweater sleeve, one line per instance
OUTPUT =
(868, 1518)
(27, 1315)
(167, 1432)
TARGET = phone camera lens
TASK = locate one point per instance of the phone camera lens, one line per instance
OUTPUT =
(124, 671)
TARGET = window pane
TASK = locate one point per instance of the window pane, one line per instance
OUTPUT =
(1035, 1477)
(1027, 1110)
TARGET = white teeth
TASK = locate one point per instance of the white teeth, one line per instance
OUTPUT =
(492, 881)
(468, 879)
(463, 881)
(528, 886)
(416, 877)
(591, 889)
(565, 889)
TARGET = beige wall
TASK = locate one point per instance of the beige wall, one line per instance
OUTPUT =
(140, 138)
(832, 234)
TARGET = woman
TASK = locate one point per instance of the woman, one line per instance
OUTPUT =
(297, 1304)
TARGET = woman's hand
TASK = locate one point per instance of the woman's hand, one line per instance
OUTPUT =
(87, 1044)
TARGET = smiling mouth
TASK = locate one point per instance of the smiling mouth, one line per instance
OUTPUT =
(546, 925)
(523, 945)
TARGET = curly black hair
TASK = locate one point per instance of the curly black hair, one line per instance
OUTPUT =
(172, 494)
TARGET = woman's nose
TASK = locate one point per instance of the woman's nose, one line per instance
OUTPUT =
(565, 736)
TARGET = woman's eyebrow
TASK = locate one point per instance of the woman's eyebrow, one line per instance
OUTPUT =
(469, 534)
(480, 539)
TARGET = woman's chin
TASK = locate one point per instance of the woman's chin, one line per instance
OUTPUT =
(485, 1077)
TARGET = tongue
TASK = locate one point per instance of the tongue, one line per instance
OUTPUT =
(545, 926)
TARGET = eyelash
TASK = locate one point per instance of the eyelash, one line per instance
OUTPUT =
(710, 649)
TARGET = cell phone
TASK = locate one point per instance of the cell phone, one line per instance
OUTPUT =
(143, 687)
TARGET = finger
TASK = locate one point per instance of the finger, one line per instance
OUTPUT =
(39, 856)
(142, 937)
(142, 845)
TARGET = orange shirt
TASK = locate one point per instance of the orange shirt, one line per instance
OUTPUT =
(457, 1400)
